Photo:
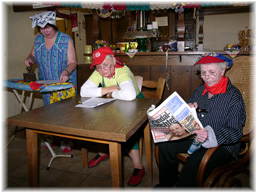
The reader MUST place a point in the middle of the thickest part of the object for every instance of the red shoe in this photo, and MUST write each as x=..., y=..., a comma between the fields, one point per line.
x=97, y=159
x=136, y=177
x=67, y=149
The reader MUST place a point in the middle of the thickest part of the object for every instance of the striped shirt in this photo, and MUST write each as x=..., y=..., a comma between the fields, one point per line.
x=225, y=114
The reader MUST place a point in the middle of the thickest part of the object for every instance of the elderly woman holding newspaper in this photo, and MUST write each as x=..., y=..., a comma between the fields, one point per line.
x=222, y=113
x=116, y=81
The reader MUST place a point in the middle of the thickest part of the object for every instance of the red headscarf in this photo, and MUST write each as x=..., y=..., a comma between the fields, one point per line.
x=100, y=54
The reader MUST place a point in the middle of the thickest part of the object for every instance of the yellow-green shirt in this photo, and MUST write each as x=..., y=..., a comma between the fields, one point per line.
x=121, y=75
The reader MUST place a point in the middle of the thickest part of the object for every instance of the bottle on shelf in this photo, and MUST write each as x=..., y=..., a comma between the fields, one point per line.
x=126, y=48
x=129, y=46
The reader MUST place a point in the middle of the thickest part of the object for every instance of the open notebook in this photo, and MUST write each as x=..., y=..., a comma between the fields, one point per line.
x=94, y=102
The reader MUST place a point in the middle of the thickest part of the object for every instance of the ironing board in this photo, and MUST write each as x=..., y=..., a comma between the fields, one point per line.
x=15, y=85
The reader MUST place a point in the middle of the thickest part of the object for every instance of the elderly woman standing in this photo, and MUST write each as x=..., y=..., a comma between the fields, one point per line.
x=223, y=118
x=116, y=81
x=53, y=52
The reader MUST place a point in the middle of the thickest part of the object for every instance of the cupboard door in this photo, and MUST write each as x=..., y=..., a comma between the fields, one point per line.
x=83, y=73
x=89, y=29
x=157, y=71
x=105, y=32
x=142, y=70
x=180, y=80
x=195, y=78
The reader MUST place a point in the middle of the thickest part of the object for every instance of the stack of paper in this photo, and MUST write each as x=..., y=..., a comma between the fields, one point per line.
x=94, y=102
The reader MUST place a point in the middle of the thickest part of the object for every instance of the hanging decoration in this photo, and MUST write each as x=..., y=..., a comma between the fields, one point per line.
x=89, y=5
x=137, y=6
x=74, y=22
x=103, y=13
x=114, y=6
x=161, y=5
x=232, y=53
x=192, y=5
x=72, y=16
x=179, y=7
x=216, y=4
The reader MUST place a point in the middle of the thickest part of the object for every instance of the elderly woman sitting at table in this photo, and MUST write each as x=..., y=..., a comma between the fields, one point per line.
x=116, y=81
x=223, y=118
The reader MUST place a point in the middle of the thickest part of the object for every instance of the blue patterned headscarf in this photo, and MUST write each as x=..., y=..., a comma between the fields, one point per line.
x=43, y=18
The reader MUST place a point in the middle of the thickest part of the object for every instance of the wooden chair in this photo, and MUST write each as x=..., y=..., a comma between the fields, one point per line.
x=241, y=76
x=153, y=90
x=139, y=80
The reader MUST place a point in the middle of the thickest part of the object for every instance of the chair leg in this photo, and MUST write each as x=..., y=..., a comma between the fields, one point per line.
x=148, y=151
x=157, y=155
x=85, y=158
x=141, y=147
x=228, y=179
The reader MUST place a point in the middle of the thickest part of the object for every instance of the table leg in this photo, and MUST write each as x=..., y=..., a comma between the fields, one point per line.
x=32, y=151
x=116, y=164
x=85, y=158
x=148, y=150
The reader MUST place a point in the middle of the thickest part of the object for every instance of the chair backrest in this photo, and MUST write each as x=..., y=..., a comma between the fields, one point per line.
x=241, y=76
x=139, y=80
x=153, y=89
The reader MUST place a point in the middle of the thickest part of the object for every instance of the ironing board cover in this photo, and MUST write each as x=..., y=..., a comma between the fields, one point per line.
x=13, y=83
x=59, y=91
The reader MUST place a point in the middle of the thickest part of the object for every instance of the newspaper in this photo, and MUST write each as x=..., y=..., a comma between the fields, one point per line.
x=172, y=120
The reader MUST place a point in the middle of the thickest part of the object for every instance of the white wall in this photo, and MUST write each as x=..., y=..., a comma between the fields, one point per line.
x=18, y=39
x=220, y=30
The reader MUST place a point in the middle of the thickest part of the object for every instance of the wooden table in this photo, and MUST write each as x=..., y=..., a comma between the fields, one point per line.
x=113, y=124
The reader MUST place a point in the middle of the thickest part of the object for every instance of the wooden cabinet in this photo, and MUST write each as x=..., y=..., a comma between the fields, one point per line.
x=83, y=73
x=190, y=29
x=112, y=30
x=183, y=75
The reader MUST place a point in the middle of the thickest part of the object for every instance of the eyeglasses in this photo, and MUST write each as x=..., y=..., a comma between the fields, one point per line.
x=104, y=66
x=210, y=73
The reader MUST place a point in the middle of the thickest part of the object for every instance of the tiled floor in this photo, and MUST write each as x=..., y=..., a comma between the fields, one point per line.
x=66, y=172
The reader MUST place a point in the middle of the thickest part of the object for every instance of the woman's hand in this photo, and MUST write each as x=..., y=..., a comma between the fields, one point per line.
x=113, y=88
x=109, y=90
x=64, y=77
x=202, y=135
x=29, y=62
x=191, y=105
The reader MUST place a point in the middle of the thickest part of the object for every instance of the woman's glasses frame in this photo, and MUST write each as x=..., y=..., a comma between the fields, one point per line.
x=104, y=66
x=209, y=73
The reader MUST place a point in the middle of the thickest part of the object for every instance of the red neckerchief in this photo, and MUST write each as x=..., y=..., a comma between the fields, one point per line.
x=220, y=87
x=119, y=64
